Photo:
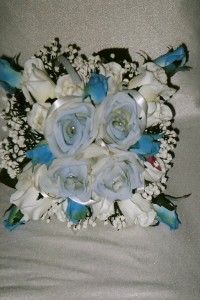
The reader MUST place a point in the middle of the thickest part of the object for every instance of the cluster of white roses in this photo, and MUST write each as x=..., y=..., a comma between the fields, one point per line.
x=90, y=143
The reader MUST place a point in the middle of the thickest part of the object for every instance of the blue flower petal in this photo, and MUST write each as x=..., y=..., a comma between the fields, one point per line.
x=147, y=145
x=40, y=154
x=173, y=61
x=7, y=87
x=170, y=57
x=76, y=212
x=96, y=88
x=166, y=211
x=9, y=78
x=11, y=227
x=166, y=216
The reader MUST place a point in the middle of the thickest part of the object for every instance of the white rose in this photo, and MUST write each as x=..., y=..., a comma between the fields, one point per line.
x=36, y=117
x=37, y=81
x=102, y=209
x=158, y=113
x=152, y=83
x=137, y=210
x=70, y=126
x=26, y=196
x=66, y=87
x=116, y=176
x=114, y=72
x=154, y=172
x=120, y=121
x=65, y=178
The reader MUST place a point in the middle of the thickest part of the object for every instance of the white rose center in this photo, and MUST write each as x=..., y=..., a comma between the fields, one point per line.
x=73, y=183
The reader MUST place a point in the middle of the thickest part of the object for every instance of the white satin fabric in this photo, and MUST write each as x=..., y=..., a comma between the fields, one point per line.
x=47, y=261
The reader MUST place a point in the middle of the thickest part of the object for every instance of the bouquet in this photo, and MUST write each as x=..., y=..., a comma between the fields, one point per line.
x=89, y=138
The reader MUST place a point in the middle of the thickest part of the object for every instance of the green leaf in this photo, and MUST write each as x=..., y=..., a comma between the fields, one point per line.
x=172, y=198
x=161, y=200
x=9, y=208
x=17, y=217
x=6, y=179
x=15, y=214
x=120, y=54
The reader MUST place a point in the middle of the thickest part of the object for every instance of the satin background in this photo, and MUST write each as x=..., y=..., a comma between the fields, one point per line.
x=47, y=261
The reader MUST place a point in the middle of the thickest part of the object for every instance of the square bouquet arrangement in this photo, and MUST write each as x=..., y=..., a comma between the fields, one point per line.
x=89, y=138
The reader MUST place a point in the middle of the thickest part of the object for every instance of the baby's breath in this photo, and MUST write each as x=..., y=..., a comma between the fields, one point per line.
x=20, y=137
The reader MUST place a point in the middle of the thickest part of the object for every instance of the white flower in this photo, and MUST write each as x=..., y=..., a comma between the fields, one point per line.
x=65, y=178
x=36, y=117
x=119, y=123
x=37, y=81
x=156, y=172
x=70, y=126
x=152, y=82
x=102, y=209
x=113, y=71
x=66, y=87
x=158, y=113
x=26, y=196
x=115, y=176
x=137, y=210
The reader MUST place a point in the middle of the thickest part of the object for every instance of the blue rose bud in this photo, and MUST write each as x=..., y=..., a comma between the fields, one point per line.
x=14, y=219
x=41, y=154
x=9, y=78
x=76, y=212
x=166, y=211
x=174, y=60
x=96, y=88
x=147, y=146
